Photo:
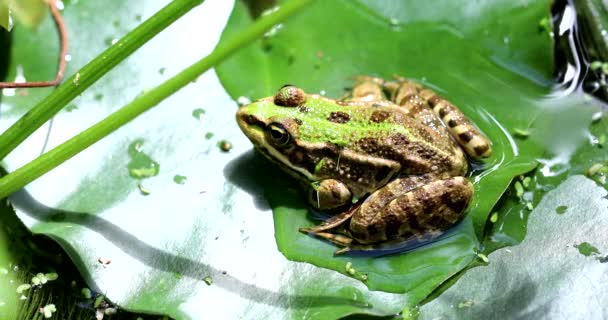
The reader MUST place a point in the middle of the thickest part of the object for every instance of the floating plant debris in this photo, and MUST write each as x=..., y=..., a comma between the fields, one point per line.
x=141, y=165
x=586, y=249
x=483, y=257
x=521, y=133
x=224, y=145
x=198, y=113
x=519, y=189
x=179, y=179
x=143, y=190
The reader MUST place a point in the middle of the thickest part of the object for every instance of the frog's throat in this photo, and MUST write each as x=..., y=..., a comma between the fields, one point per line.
x=280, y=159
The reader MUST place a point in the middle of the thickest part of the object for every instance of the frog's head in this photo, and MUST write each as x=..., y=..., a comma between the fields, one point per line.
x=273, y=126
x=291, y=129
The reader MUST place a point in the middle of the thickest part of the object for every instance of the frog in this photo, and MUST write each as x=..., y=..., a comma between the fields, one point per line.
x=390, y=158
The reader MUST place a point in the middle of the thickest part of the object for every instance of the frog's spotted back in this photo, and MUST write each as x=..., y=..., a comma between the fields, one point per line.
x=413, y=96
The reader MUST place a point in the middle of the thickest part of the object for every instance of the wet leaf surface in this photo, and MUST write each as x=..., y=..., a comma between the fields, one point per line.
x=545, y=277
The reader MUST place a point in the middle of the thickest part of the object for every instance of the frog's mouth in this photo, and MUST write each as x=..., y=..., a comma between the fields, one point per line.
x=279, y=159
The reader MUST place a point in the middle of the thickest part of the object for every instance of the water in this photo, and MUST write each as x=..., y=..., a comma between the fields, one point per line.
x=141, y=165
x=567, y=128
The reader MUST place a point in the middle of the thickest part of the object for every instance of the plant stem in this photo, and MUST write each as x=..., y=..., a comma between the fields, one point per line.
x=90, y=73
x=41, y=165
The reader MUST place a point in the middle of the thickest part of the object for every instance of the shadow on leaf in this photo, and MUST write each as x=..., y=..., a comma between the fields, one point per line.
x=165, y=261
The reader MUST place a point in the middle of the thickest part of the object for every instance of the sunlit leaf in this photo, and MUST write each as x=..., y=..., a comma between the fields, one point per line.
x=546, y=277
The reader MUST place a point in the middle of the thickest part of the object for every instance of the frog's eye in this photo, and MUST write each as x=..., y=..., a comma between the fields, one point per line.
x=290, y=96
x=278, y=135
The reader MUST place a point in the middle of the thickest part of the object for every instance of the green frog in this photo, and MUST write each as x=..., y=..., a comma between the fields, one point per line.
x=389, y=157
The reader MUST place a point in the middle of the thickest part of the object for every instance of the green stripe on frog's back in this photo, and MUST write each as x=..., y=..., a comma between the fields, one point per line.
x=323, y=120
x=375, y=139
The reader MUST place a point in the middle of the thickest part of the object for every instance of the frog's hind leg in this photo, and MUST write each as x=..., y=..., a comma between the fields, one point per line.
x=468, y=136
x=398, y=245
x=422, y=210
x=367, y=89
x=339, y=239
x=418, y=101
x=434, y=206
x=332, y=222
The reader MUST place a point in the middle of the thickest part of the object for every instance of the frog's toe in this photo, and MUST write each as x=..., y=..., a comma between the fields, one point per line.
x=362, y=78
x=342, y=251
x=399, y=77
x=338, y=239
x=307, y=230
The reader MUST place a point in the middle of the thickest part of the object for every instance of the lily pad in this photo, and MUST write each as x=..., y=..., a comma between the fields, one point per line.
x=367, y=38
x=545, y=277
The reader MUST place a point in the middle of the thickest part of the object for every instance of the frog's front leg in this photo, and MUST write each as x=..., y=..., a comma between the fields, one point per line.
x=328, y=194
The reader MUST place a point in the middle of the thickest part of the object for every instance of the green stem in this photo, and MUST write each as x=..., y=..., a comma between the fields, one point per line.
x=90, y=73
x=43, y=164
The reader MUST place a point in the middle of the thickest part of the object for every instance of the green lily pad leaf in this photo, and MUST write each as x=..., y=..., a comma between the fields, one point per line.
x=545, y=277
x=465, y=64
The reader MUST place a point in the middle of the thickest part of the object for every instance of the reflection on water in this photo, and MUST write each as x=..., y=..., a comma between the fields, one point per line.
x=570, y=67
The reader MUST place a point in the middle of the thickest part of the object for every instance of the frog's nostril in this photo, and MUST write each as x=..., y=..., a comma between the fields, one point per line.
x=250, y=119
x=290, y=96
